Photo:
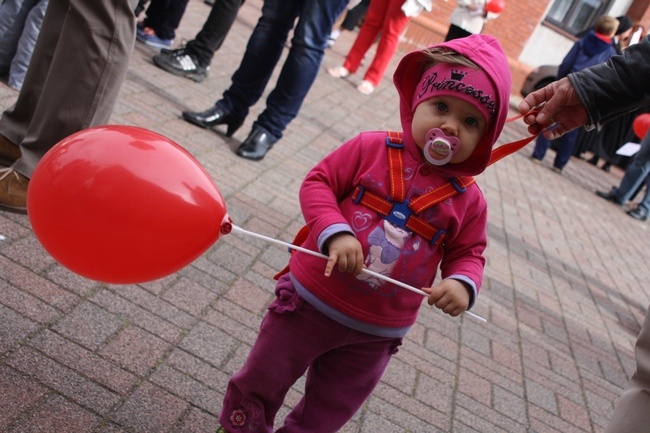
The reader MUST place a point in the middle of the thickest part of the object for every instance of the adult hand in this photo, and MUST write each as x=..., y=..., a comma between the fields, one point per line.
x=561, y=107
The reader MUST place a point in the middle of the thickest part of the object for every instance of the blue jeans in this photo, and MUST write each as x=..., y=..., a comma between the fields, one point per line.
x=637, y=172
x=315, y=20
x=20, y=23
x=565, y=149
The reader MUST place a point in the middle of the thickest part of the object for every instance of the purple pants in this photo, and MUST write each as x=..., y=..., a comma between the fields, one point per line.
x=344, y=367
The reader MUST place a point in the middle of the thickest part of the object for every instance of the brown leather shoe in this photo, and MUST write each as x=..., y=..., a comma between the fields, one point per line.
x=9, y=152
x=13, y=190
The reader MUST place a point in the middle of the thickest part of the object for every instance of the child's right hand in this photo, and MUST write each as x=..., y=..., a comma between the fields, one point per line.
x=345, y=250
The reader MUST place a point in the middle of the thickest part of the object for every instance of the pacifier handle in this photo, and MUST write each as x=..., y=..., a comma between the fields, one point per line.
x=438, y=142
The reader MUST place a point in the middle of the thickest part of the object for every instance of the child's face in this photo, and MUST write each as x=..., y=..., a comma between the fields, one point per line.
x=454, y=117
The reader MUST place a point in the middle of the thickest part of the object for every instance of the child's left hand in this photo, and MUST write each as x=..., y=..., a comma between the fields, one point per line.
x=451, y=296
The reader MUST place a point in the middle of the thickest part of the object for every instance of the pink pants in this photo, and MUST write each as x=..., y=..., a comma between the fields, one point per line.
x=383, y=16
x=344, y=367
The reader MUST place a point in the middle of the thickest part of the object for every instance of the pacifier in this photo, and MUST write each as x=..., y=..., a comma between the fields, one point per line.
x=436, y=142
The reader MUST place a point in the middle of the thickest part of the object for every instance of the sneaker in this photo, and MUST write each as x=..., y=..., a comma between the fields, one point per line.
x=638, y=214
x=148, y=37
x=9, y=152
x=535, y=160
x=557, y=170
x=13, y=190
x=209, y=2
x=365, y=88
x=338, y=72
x=333, y=37
x=179, y=63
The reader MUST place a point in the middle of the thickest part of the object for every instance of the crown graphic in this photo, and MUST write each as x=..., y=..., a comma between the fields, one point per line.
x=457, y=75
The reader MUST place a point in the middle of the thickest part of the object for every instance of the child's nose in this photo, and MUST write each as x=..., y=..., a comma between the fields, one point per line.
x=450, y=127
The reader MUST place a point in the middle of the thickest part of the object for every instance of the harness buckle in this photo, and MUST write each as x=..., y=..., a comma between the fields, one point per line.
x=456, y=185
x=394, y=142
x=399, y=214
x=359, y=191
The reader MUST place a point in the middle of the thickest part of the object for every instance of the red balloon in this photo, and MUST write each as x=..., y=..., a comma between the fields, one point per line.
x=641, y=124
x=124, y=205
x=495, y=6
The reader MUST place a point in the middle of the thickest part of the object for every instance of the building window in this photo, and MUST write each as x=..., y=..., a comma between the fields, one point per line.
x=576, y=16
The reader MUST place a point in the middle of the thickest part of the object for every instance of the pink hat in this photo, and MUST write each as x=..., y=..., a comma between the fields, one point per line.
x=487, y=88
x=469, y=84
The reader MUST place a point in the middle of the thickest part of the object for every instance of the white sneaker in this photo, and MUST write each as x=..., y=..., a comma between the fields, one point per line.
x=338, y=72
x=366, y=87
x=333, y=37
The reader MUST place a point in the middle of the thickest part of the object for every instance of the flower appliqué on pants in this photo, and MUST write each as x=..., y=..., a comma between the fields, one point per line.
x=238, y=418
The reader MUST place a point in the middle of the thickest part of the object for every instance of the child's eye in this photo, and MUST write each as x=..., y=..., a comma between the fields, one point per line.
x=471, y=121
x=441, y=106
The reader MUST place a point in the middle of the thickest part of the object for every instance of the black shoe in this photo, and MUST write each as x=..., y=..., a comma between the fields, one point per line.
x=638, y=214
x=606, y=167
x=180, y=63
x=259, y=142
x=214, y=116
x=610, y=196
x=593, y=160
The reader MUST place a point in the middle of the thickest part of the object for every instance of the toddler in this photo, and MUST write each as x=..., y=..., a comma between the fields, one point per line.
x=401, y=204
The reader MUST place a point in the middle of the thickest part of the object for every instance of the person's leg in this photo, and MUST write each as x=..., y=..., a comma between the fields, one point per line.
x=565, y=149
x=541, y=146
x=155, y=13
x=214, y=31
x=631, y=414
x=393, y=25
x=57, y=100
x=339, y=382
x=354, y=15
x=13, y=14
x=636, y=172
x=26, y=45
x=292, y=335
x=262, y=53
x=302, y=64
x=371, y=27
x=171, y=19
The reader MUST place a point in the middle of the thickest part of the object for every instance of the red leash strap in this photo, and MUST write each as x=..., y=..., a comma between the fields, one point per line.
x=508, y=148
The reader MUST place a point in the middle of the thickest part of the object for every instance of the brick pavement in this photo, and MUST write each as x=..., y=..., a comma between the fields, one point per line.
x=566, y=288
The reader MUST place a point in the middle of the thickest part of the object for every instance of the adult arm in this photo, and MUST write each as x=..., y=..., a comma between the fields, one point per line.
x=592, y=96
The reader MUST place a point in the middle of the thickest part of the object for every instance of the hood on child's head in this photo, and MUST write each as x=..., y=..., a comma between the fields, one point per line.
x=487, y=53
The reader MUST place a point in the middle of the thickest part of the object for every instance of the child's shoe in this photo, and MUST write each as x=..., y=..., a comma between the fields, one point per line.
x=338, y=72
x=365, y=88
x=333, y=37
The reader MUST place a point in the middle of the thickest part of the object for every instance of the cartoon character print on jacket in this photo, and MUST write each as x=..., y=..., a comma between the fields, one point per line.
x=386, y=245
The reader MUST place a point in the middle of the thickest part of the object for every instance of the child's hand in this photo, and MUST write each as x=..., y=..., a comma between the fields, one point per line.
x=346, y=250
x=451, y=296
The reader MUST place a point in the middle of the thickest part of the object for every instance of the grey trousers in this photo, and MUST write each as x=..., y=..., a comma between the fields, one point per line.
x=77, y=68
x=632, y=412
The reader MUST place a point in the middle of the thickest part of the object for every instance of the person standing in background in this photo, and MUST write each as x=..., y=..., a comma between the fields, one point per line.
x=468, y=18
x=193, y=60
x=311, y=22
x=386, y=18
x=594, y=48
x=163, y=17
x=78, y=66
x=20, y=23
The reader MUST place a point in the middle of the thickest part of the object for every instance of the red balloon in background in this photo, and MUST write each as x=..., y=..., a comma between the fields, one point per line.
x=495, y=6
x=641, y=124
x=123, y=205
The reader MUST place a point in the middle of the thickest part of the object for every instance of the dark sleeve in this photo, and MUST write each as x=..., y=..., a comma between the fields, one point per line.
x=621, y=85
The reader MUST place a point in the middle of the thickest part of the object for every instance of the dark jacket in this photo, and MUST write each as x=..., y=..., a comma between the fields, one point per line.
x=586, y=52
x=620, y=85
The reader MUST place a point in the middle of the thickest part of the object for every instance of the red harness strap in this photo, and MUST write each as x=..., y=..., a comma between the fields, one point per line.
x=397, y=209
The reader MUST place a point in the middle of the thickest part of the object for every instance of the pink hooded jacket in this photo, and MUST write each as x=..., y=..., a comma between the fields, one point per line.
x=368, y=304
